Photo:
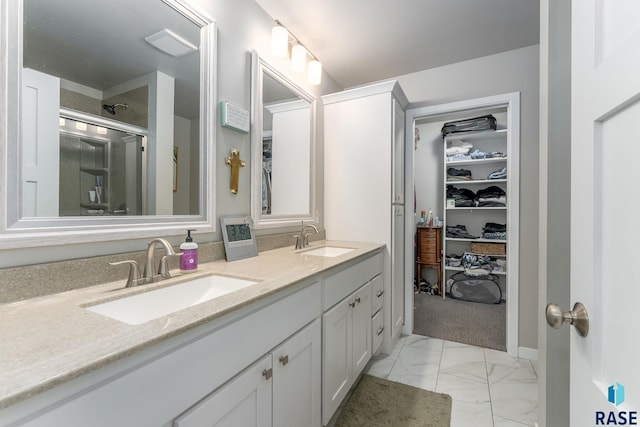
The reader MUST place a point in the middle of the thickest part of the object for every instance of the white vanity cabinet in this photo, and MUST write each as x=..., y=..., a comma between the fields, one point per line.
x=156, y=386
x=281, y=389
x=286, y=359
x=346, y=330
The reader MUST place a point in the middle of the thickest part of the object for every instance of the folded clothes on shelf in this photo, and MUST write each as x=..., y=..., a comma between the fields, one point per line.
x=463, y=196
x=477, y=154
x=453, y=260
x=458, y=147
x=492, y=230
x=458, y=157
x=495, y=235
x=459, y=231
x=491, y=197
x=498, y=174
x=490, y=227
x=454, y=174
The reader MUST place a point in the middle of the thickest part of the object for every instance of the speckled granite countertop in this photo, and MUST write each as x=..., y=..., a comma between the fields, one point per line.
x=50, y=340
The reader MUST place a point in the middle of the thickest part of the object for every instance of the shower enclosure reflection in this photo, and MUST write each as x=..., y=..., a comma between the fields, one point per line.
x=110, y=75
x=101, y=168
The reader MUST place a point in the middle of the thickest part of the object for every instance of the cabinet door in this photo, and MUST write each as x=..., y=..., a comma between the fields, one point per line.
x=336, y=357
x=361, y=328
x=296, y=379
x=244, y=401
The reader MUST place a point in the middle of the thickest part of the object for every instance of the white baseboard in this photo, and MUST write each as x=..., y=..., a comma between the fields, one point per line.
x=528, y=353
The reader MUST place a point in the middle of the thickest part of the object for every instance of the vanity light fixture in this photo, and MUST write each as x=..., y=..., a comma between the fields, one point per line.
x=280, y=39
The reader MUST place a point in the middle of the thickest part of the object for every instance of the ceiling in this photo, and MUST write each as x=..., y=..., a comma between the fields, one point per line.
x=64, y=39
x=361, y=41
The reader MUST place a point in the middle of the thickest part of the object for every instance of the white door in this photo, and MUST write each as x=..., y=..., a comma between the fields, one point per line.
x=244, y=401
x=336, y=357
x=40, y=144
x=296, y=379
x=361, y=329
x=604, y=210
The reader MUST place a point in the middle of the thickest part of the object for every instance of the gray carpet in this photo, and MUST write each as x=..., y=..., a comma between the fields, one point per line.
x=376, y=402
x=483, y=325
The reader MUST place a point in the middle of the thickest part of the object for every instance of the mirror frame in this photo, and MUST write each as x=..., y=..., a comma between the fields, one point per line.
x=259, y=67
x=17, y=232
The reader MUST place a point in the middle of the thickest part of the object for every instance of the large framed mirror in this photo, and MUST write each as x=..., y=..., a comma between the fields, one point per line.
x=283, y=130
x=105, y=101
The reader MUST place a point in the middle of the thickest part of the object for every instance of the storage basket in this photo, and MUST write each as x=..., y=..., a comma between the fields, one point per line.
x=489, y=248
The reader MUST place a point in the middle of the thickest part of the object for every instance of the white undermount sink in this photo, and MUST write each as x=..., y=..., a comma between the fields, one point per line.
x=329, y=251
x=150, y=305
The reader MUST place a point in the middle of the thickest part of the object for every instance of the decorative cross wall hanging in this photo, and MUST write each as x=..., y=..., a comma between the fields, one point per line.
x=235, y=163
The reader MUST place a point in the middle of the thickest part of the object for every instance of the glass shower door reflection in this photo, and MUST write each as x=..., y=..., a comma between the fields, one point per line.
x=101, y=170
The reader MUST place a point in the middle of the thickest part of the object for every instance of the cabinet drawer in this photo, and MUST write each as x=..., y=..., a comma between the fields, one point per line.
x=431, y=258
x=377, y=287
x=428, y=234
x=428, y=247
x=339, y=285
x=377, y=328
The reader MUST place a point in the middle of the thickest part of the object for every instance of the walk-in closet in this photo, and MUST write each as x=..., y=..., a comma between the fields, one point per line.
x=466, y=189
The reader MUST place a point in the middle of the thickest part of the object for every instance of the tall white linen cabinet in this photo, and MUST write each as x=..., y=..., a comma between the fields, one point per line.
x=364, y=189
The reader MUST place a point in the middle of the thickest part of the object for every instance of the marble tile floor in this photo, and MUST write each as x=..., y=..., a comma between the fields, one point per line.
x=489, y=388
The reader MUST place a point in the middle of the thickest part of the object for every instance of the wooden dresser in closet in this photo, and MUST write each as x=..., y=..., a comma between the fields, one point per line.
x=429, y=252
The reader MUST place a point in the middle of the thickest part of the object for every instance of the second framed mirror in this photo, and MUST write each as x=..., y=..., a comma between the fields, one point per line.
x=283, y=129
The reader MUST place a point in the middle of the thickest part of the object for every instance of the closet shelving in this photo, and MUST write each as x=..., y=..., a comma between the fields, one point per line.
x=475, y=217
x=94, y=162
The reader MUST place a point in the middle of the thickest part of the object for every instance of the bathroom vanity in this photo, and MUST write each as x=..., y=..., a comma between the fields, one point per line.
x=259, y=355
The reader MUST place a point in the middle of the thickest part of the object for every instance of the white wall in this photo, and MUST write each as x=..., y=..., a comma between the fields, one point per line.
x=512, y=71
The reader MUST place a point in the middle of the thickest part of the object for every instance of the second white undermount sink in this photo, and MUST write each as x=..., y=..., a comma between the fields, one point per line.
x=141, y=308
x=329, y=251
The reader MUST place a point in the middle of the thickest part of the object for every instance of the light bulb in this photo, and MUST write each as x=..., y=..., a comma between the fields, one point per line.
x=314, y=72
x=279, y=41
x=298, y=58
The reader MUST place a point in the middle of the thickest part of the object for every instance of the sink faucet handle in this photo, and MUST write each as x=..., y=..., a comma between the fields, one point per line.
x=134, y=272
x=163, y=268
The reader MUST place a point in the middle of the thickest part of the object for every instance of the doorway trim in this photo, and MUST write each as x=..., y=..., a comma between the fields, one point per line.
x=510, y=101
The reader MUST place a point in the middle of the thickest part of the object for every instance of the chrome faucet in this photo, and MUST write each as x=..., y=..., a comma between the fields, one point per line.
x=163, y=268
x=302, y=239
